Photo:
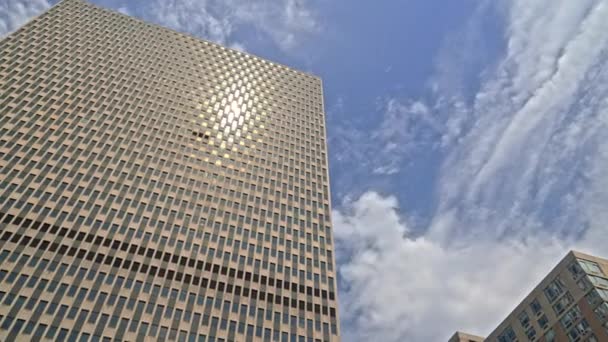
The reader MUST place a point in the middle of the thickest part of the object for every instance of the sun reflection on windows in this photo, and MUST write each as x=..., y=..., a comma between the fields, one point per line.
x=232, y=117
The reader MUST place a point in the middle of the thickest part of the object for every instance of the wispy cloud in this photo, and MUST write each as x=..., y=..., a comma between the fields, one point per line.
x=404, y=128
x=385, y=144
x=284, y=23
x=522, y=177
x=207, y=19
x=14, y=13
x=534, y=120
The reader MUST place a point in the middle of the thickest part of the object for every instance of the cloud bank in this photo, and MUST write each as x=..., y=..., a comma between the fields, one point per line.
x=397, y=288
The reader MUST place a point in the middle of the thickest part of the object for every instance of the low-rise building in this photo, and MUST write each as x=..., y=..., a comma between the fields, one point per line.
x=569, y=304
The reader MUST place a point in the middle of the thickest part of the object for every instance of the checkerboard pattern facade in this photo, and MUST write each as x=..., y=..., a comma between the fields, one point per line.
x=154, y=186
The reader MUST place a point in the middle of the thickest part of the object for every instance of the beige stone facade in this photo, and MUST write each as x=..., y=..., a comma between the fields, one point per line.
x=570, y=304
x=464, y=337
x=154, y=186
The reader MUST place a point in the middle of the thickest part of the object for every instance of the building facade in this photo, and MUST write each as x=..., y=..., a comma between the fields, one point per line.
x=570, y=304
x=154, y=186
x=464, y=337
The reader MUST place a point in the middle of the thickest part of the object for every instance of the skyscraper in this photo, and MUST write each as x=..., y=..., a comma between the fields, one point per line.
x=157, y=186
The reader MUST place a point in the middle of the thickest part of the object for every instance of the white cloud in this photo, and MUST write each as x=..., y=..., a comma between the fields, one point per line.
x=522, y=177
x=397, y=288
x=199, y=17
x=551, y=63
x=521, y=152
x=14, y=13
x=404, y=128
x=285, y=22
x=596, y=195
x=124, y=10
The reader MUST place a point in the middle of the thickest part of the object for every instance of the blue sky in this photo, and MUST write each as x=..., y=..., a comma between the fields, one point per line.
x=466, y=139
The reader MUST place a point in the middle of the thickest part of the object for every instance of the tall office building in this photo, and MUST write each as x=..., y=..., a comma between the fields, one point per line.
x=157, y=186
x=569, y=304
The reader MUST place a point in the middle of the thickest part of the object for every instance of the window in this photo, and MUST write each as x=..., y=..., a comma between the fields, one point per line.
x=508, y=335
x=536, y=307
x=599, y=281
x=531, y=333
x=593, y=298
x=550, y=336
x=562, y=304
x=590, y=267
x=570, y=317
x=592, y=338
x=584, y=284
x=602, y=311
x=554, y=289
x=524, y=319
x=543, y=322
x=603, y=293
x=578, y=330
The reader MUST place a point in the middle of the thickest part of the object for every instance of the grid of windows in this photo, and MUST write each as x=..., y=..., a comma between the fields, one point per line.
x=152, y=184
x=571, y=304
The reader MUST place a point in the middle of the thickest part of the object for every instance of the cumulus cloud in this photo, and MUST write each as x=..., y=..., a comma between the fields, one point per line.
x=285, y=22
x=14, y=13
x=522, y=177
x=397, y=288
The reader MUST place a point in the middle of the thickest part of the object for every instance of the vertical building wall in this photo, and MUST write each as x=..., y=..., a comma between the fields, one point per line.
x=153, y=185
